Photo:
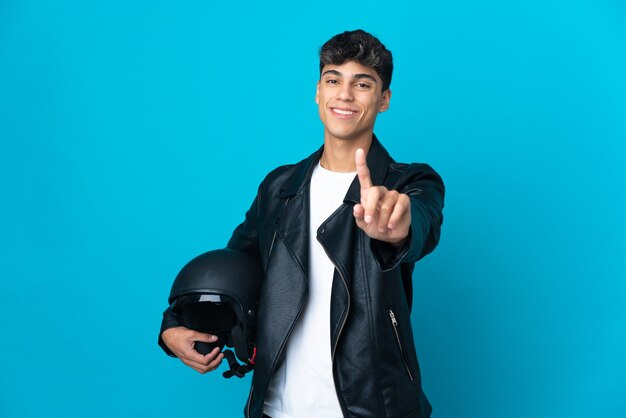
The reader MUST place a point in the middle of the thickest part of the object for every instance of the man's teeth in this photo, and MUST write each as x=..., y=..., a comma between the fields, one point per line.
x=344, y=112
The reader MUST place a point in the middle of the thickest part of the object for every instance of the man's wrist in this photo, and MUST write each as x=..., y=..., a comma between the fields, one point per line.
x=400, y=243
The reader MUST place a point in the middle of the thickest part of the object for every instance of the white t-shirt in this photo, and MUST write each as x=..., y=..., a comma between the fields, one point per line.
x=303, y=386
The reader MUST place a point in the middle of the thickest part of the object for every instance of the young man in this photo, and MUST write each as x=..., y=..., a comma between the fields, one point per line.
x=338, y=235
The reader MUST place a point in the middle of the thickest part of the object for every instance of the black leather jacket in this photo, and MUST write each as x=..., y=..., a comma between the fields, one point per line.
x=375, y=366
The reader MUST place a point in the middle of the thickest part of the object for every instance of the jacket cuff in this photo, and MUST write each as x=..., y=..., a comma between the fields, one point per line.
x=387, y=255
x=170, y=320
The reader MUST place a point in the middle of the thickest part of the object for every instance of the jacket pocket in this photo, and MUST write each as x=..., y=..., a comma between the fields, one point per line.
x=397, y=334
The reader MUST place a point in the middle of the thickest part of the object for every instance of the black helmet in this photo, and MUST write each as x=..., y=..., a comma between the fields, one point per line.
x=218, y=293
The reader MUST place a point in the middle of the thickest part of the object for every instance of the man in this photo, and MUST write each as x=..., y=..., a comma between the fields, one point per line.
x=338, y=235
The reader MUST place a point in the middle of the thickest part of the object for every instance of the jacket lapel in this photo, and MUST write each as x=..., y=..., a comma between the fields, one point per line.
x=338, y=234
x=292, y=224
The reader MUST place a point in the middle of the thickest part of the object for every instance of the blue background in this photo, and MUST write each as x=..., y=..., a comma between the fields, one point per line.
x=124, y=126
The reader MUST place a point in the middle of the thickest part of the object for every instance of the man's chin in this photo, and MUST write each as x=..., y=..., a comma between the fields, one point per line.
x=347, y=136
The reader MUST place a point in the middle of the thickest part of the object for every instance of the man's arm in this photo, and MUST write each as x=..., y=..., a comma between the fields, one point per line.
x=246, y=236
x=177, y=340
x=404, y=226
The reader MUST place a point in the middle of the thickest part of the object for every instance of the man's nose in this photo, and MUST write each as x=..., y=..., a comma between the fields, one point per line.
x=346, y=92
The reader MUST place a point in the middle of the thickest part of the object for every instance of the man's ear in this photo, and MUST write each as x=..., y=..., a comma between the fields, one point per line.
x=317, y=93
x=384, y=104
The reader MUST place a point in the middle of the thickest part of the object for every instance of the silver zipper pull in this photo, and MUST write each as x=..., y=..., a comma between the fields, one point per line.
x=393, y=318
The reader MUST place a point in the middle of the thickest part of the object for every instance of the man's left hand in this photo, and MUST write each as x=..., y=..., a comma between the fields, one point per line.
x=383, y=214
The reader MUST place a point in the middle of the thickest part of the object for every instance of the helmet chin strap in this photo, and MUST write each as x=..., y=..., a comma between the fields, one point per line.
x=236, y=369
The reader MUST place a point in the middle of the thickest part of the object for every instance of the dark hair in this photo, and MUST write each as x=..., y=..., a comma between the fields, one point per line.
x=360, y=47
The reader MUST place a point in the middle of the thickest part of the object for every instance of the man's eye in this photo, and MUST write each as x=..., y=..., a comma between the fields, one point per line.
x=363, y=85
x=332, y=81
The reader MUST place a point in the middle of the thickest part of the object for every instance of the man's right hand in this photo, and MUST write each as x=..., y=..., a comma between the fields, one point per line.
x=180, y=341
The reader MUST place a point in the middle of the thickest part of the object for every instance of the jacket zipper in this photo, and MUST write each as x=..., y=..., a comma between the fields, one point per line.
x=269, y=253
x=394, y=323
x=345, y=318
x=282, y=347
x=341, y=326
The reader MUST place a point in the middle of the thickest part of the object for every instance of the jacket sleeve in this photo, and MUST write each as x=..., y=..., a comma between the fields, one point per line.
x=246, y=236
x=170, y=320
x=426, y=191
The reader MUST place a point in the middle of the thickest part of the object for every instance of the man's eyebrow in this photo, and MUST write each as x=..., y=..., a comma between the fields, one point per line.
x=332, y=72
x=357, y=76
x=365, y=76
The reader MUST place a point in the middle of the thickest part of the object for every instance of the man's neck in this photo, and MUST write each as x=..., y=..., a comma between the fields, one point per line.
x=339, y=154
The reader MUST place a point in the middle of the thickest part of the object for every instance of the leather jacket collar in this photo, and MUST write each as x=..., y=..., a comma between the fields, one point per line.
x=378, y=161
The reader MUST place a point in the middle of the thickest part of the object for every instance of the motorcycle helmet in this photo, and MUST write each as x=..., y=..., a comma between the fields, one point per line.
x=218, y=293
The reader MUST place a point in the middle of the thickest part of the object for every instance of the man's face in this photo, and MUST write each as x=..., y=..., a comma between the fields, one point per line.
x=349, y=97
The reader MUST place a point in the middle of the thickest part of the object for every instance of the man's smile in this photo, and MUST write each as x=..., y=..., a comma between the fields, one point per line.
x=343, y=113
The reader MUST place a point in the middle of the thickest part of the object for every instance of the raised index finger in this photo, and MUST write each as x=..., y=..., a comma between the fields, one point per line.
x=361, y=169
